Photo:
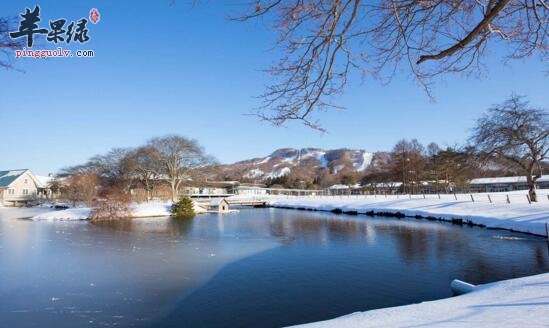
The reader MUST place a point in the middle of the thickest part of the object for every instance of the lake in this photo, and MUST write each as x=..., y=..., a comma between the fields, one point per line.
x=256, y=268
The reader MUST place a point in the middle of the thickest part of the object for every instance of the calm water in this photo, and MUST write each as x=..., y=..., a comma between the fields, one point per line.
x=256, y=268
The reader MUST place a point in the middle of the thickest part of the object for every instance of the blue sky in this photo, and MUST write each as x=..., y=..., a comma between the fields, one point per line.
x=161, y=69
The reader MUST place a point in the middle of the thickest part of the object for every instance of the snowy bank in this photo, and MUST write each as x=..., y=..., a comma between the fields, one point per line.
x=156, y=208
x=137, y=210
x=522, y=302
x=71, y=214
x=529, y=218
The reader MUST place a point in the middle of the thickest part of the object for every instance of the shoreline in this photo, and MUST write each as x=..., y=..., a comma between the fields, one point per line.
x=513, y=294
x=400, y=215
x=524, y=218
x=519, y=302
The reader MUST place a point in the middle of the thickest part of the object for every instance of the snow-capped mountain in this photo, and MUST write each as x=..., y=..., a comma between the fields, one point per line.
x=304, y=162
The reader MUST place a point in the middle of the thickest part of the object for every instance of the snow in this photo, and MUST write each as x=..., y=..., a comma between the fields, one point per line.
x=265, y=160
x=71, y=214
x=7, y=177
x=516, y=179
x=279, y=173
x=517, y=216
x=338, y=168
x=138, y=210
x=290, y=159
x=255, y=173
x=44, y=181
x=338, y=186
x=366, y=160
x=522, y=302
x=318, y=154
x=149, y=209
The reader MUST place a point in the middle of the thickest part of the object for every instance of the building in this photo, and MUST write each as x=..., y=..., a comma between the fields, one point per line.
x=500, y=184
x=21, y=187
x=251, y=190
x=391, y=187
x=219, y=205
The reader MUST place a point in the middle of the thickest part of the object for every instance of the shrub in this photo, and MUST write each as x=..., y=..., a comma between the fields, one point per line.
x=183, y=208
x=113, y=205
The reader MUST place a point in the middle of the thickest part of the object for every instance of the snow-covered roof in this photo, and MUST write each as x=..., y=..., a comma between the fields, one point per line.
x=516, y=179
x=339, y=186
x=217, y=201
x=7, y=177
x=43, y=181
x=389, y=184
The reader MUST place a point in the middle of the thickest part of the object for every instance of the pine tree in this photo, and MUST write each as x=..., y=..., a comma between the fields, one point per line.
x=184, y=208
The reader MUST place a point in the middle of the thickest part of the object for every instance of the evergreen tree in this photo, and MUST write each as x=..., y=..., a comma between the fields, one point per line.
x=183, y=208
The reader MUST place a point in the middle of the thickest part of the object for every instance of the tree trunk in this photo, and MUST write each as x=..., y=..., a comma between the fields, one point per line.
x=532, y=190
x=147, y=190
x=172, y=184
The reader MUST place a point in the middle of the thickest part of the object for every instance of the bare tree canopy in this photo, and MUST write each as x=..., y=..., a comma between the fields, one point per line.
x=145, y=167
x=7, y=44
x=518, y=133
x=178, y=156
x=322, y=41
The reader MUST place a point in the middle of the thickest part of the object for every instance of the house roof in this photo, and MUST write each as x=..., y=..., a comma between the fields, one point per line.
x=7, y=177
x=217, y=201
x=516, y=179
x=339, y=186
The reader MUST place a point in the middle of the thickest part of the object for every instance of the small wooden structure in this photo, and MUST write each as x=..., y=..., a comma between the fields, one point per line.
x=219, y=205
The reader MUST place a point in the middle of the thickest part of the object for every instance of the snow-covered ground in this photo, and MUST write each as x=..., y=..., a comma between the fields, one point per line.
x=516, y=216
x=71, y=214
x=138, y=210
x=522, y=302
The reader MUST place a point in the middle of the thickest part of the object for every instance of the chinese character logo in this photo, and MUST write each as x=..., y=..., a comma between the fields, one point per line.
x=94, y=16
x=77, y=32
x=28, y=26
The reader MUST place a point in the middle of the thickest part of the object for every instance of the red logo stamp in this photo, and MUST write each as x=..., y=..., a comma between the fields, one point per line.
x=94, y=16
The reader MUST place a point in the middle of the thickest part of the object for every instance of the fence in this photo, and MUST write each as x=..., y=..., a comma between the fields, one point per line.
x=513, y=197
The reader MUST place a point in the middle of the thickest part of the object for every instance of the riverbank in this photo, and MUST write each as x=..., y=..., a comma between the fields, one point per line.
x=521, y=302
x=527, y=218
x=137, y=210
x=510, y=303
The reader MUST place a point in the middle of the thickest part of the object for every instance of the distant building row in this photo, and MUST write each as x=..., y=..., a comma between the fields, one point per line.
x=498, y=184
x=21, y=187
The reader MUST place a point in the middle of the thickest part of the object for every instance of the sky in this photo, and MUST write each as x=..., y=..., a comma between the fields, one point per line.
x=163, y=68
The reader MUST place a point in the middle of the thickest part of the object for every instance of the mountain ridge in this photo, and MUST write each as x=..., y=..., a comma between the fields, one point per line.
x=307, y=162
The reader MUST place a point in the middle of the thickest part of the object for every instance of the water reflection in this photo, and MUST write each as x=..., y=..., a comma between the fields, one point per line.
x=277, y=266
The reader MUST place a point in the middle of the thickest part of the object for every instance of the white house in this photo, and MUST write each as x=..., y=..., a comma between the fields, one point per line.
x=20, y=187
x=506, y=184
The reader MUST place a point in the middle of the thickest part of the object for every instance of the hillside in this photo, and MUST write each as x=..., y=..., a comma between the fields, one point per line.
x=306, y=163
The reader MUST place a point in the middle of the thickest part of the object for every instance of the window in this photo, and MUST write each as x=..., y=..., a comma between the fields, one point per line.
x=25, y=191
x=11, y=191
x=26, y=181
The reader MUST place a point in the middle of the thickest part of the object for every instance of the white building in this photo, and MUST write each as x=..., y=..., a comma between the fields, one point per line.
x=506, y=184
x=20, y=187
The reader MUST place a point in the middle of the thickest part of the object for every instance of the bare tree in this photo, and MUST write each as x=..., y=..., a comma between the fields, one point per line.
x=146, y=167
x=518, y=133
x=114, y=168
x=408, y=162
x=323, y=41
x=456, y=166
x=7, y=44
x=80, y=184
x=179, y=156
